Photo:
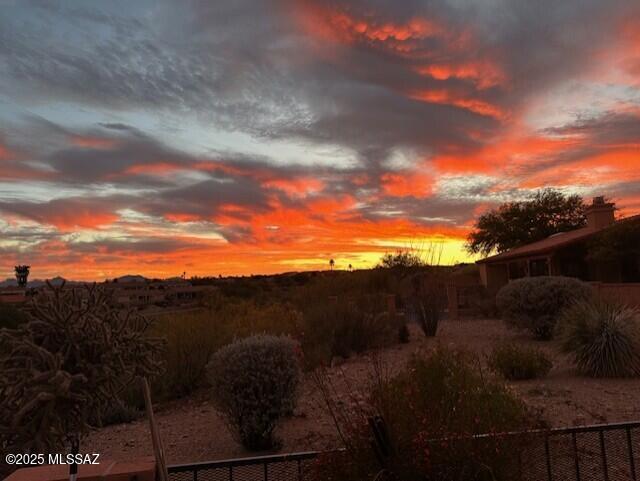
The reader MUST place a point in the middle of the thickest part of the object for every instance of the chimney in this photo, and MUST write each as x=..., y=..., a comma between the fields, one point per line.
x=600, y=214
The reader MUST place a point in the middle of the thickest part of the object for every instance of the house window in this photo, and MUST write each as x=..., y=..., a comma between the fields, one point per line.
x=517, y=269
x=539, y=267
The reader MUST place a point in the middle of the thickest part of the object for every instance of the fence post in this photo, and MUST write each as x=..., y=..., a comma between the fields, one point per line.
x=548, y=457
x=631, y=460
x=604, y=456
x=576, y=455
x=452, y=298
x=391, y=304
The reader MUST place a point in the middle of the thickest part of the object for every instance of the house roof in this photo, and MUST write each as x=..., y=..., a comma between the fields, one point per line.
x=551, y=243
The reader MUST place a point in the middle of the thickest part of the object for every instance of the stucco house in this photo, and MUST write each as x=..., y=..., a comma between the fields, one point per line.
x=563, y=254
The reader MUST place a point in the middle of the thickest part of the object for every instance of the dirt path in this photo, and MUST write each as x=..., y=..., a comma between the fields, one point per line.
x=193, y=431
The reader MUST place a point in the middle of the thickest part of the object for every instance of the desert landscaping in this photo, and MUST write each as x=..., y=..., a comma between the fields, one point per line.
x=192, y=431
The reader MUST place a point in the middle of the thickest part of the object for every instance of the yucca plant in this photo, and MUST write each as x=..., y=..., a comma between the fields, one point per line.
x=603, y=338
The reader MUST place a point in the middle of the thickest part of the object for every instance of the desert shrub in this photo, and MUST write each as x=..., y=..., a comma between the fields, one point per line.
x=11, y=317
x=425, y=297
x=193, y=337
x=118, y=412
x=603, y=338
x=342, y=326
x=191, y=340
x=403, y=332
x=246, y=318
x=254, y=383
x=430, y=409
x=486, y=307
x=517, y=363
x=535, y=303
x=482, y=303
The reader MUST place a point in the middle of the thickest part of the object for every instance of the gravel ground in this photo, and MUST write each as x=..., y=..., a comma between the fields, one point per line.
x=193, y=431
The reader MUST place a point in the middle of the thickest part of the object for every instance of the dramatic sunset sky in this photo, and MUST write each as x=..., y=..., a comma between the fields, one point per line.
x=255, y=136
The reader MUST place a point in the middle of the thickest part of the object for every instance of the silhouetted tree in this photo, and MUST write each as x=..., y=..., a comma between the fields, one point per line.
x=515, y=224
x=22, y=273
x=401, y=259
x=331, y=264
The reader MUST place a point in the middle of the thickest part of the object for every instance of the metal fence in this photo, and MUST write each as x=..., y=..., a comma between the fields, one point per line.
x=285, y=467
x=607, y=452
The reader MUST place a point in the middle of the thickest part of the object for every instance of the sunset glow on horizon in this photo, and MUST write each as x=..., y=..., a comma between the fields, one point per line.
x=256, y=137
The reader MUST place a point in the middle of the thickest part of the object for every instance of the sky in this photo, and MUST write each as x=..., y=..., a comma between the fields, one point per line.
x=259, y=136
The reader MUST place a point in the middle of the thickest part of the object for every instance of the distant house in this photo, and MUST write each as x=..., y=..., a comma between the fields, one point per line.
x=563, y=254
x=136, y=291
x=12, y=295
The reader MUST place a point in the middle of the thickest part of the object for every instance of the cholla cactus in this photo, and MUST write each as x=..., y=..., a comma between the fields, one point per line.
x=70, y=361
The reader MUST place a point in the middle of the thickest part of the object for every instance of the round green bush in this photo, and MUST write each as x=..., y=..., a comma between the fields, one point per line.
x=535, y=303
x=254, y=383
x=603, y=339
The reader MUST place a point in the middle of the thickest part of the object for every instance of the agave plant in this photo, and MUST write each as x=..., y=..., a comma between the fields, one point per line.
x=603, y=338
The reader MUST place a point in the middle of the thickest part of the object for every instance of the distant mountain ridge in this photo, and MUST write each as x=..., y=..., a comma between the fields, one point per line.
x=56, y=281
x=131, y=278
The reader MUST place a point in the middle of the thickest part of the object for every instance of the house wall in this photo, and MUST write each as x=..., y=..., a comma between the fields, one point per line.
x=497, y=276
x=627, y=293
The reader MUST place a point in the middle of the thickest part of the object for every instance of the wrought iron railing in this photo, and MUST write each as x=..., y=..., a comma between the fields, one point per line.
x=602, y=452
x=605, y=452
x=282, y=467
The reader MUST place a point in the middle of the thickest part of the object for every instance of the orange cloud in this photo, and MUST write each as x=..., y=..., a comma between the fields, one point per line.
x=89, y=142
x=181, y=217
x=445, y=97
x=514, y=147
x=83, y=218
x=483, y=73
x=344, y=26
x=406, y=184
x=156, y=168
x=299, y=187
x=4, y=152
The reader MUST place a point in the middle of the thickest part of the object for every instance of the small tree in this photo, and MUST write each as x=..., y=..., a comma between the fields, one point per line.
x=401, y=259
x=70, y=361
x=332, y=263
x=514, y=224
x=22, y=274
